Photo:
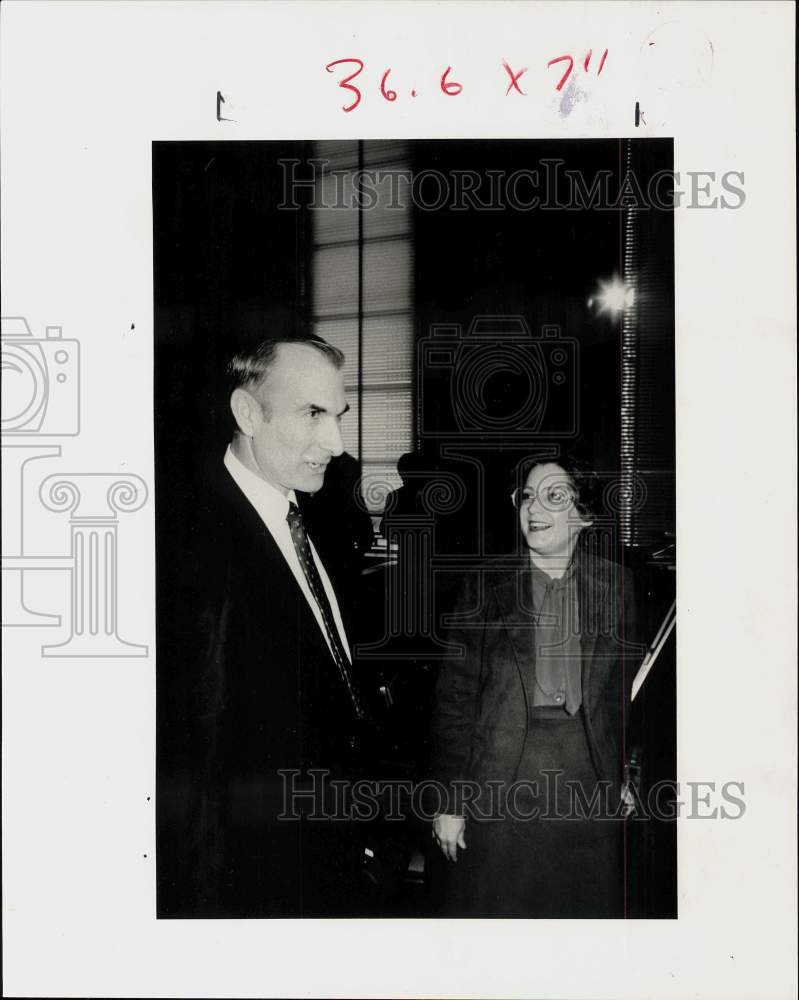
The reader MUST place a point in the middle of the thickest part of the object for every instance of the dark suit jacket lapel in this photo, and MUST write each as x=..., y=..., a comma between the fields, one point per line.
x=591, y=597
x=515, y=599
x=252, y=545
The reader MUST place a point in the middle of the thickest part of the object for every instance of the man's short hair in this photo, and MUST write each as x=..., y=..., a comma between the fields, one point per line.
x=249, y=368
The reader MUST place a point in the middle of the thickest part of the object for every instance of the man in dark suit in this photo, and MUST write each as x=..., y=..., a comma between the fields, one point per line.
x=264, y=645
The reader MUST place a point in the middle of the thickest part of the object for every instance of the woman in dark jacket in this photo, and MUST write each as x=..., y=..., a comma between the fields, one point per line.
x=528, y=735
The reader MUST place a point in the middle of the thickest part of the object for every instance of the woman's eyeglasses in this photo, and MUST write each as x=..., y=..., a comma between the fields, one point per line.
x=550, y=498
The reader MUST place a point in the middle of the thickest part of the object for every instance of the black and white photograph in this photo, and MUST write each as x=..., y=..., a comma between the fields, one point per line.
x=415, y=511
x=365, y=367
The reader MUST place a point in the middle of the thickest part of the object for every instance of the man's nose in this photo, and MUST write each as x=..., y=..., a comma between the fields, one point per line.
x=331, y=439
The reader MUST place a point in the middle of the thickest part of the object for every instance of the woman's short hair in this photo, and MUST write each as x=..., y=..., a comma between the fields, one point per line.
x=583, y=479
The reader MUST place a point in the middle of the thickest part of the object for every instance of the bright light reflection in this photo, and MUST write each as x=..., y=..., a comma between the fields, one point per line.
x=613, y=296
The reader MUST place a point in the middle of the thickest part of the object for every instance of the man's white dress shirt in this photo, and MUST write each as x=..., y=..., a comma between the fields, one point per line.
x=273, y=507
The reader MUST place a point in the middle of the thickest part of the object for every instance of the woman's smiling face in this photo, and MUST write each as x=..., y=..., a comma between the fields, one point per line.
x=548, y=517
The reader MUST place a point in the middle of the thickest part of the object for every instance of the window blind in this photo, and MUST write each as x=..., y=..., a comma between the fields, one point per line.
x=362, y=297
x=647, y=390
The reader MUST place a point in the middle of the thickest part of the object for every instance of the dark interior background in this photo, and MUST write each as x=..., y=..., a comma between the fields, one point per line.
x=229, y=264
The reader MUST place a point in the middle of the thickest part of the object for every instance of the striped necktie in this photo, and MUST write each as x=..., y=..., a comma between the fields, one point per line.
x=304, y=554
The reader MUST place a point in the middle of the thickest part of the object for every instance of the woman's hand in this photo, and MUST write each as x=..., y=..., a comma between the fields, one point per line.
x=448, y=833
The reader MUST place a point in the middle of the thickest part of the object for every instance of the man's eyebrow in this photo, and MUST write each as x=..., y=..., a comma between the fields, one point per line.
x=323, y=409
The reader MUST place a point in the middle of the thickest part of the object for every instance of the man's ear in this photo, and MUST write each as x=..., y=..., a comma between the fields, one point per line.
x=246, y=411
